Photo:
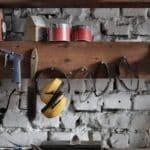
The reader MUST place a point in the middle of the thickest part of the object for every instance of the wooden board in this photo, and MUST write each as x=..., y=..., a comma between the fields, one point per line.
x=73, y=55
x=74, y=3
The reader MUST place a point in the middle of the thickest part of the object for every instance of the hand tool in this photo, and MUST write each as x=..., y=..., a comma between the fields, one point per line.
x=52, y=94
x=16, y=59
x=32, y=89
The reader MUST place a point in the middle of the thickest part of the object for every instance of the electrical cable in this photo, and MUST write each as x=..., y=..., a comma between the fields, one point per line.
x=123, y=60
x=3, y=110
x=108, y=82
x=88, y=92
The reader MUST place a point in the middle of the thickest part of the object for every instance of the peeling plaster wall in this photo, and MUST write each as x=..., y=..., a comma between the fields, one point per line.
x=119, y=119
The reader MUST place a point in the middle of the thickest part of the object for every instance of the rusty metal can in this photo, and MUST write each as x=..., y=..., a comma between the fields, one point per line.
x=81, y=33
x=59, y=32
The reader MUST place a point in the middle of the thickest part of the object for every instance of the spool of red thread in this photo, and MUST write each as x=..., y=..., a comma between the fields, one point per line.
x=81, y=33
x=59, y=32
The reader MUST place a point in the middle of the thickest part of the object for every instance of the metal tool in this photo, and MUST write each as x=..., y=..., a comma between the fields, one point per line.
x=16, y=59
x=32, y=87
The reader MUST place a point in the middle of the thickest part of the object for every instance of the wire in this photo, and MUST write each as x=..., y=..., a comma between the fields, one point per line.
x=108, y=82
x=88, y=92
x=123, y=60
x=49, y=71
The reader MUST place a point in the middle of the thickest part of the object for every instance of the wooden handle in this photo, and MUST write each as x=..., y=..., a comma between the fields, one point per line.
x=34, y=63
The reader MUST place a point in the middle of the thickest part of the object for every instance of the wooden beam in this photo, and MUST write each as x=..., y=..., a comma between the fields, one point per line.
x=75, y=3
x=73, y=55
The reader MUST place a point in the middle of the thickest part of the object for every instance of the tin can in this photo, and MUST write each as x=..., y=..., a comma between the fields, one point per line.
x=81, y=33
x=59, y=32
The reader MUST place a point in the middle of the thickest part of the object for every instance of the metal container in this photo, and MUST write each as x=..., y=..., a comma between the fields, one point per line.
x=81, y=33
x=59, y=32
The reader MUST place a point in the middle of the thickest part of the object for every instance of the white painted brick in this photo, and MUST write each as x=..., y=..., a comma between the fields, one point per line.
x=106, y=12
x=118, y=120
x=113, y=29
x=142, y=102
x=81, y=13
x=146, y=84
x=17, y=12
x=138, y=140
x=144, y=29
x=8, y=85
x=72, y=11
x=71, y=116
x=60, y=136
x=119, y=100
x=85, y=14
x=101, y=84
x=81, y=132
x=129, y=12
x=14, y=117
x=106, y=120
x=3, y=99
x=132, y=84
x=119, y=141
x=81, y=103
x=43, y=11
x=8, y=21
x=41, y=121
x=4, y=142
x=18, y=24
x=14, y=102
x=97, y=37
x=7, y=11
x=97, y=136
x=140, y=121
x=25, y=84
x=22, y=138
x=95, y=27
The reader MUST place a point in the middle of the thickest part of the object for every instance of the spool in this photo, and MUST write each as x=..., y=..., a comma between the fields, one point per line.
x=81, y=33
x=59, y=32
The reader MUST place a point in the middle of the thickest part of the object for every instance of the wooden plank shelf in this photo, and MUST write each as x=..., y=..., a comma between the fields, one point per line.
x=74, y=3
x=73, y=55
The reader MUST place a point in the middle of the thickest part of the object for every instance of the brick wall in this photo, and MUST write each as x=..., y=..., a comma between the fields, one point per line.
x=119, y=119
x=107, y=24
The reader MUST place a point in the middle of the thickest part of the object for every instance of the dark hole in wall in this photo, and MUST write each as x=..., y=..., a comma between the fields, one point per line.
x=71, y=147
